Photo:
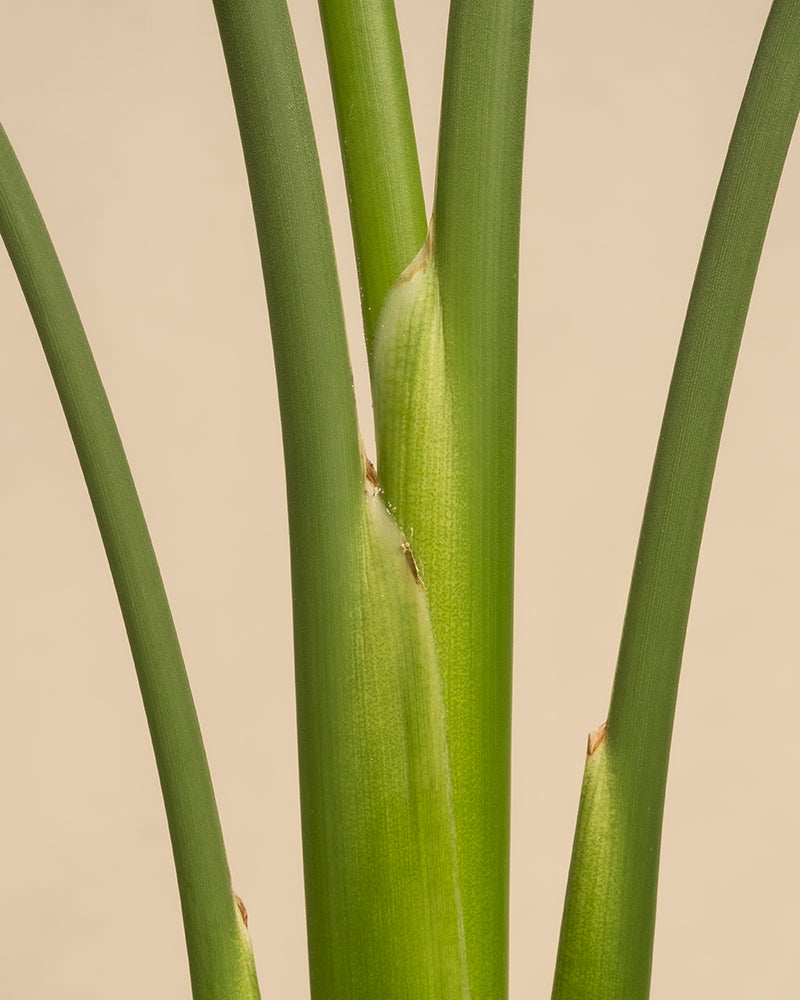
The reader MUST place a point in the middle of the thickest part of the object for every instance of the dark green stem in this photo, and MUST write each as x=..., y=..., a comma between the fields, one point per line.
x=315, y=386
x=220, y=959
x=609, y=916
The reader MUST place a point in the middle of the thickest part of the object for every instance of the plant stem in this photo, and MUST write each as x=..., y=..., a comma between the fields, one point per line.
x=220, y=956
x=467, y=552
x=376, y=135
x=318, y=415
x=382, y=895
x=609, y=914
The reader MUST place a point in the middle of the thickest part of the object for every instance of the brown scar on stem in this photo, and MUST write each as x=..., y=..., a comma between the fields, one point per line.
x=411, y=562
x=420, y=262
x=241, y=908
x=370, y=472
x=596, y=738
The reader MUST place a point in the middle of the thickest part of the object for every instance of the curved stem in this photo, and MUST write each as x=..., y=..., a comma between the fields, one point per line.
x=220, y=957
x=609, y=915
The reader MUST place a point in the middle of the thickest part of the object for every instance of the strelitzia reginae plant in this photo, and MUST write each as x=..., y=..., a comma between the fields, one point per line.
x=402, y=568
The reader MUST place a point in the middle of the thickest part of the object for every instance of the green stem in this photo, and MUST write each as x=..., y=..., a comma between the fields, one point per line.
x=220, y=957
x=318, y=413
x=382, y=895
x=466, y=551
x=609, y=915
x=379, y=152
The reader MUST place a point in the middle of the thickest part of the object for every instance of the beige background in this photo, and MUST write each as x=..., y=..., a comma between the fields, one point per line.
x=122, y=117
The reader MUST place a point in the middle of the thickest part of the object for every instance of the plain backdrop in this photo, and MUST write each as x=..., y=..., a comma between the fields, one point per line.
x=122, y=117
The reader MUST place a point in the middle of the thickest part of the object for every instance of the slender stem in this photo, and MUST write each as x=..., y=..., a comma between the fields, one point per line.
x=610, y=908
x=318, y=414
x=220, y=957
x=476, y=251
x=379, y=152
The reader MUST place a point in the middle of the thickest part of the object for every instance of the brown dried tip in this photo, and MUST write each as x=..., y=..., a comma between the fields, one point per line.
x=241, y=908
x=596, y=737
x=370, y=475
x=422, y=259
x=412, y=565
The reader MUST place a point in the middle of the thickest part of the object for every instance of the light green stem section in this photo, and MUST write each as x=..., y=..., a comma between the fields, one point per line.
x=609, y=914
x=449, y=474
x=220, y=956
x=414, y=419
x=382, y=896
x=384, y=910
x=379, y=152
